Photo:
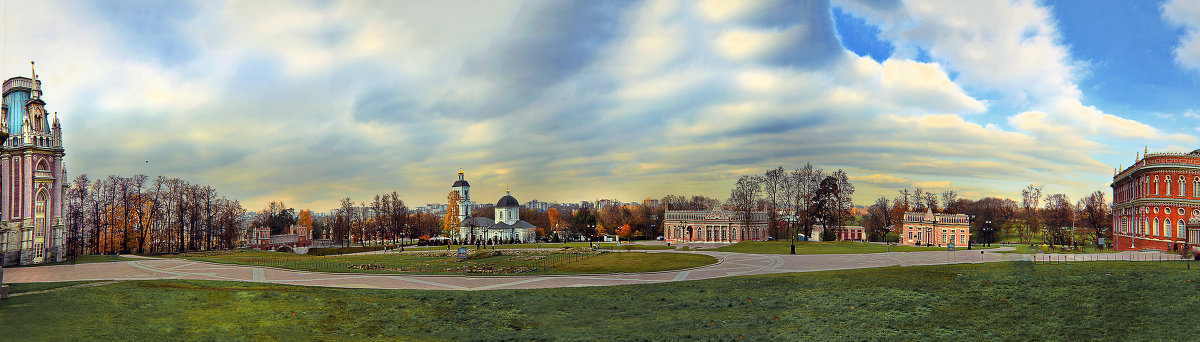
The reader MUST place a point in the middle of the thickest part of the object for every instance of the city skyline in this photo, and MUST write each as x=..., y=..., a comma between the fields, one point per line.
x=308, y=103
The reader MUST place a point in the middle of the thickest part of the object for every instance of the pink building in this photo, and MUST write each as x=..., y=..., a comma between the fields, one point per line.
x=717, y=226
x=31, y=176
x=929, y=229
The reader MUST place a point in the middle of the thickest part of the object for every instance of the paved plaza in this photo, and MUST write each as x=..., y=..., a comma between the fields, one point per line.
x=729, y=265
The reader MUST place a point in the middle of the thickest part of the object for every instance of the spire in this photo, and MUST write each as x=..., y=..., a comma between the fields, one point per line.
x=506, y=192
x=37, y=89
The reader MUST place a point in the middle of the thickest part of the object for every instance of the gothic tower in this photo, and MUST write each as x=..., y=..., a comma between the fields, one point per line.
x=31, y=184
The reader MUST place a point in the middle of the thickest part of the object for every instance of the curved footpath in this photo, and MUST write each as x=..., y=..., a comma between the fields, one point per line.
x=728, y=265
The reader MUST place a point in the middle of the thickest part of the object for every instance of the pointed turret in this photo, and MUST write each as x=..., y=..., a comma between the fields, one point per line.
x=56, y=131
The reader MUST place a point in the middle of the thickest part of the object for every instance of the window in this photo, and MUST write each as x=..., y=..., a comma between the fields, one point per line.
x=1180, y=229
x=1155, y=231
x=1155, y=185
x=1167, y=184
x=1155, y=210
x=1196, y=187
x=1181, y=189
x=1180, y=211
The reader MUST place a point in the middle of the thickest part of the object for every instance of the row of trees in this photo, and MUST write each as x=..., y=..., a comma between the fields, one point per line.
x=136, y=215
x=803, y=197
x=1055, y=217
x=386, y=218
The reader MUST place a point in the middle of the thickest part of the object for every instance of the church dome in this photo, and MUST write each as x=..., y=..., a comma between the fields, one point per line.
x=507, y=201
x=459, y=183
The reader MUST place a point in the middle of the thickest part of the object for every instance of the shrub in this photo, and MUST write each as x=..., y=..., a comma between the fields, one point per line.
x=827, y=235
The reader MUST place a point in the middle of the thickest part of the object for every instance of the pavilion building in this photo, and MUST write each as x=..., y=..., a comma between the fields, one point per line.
x=930, y=229
x=716, y=226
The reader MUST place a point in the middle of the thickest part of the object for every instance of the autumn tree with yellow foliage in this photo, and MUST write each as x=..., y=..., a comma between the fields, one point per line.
x=451, y=223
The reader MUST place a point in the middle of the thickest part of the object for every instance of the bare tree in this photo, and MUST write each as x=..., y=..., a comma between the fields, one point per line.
x=1058, y=216
x=879, y=218
x=949, y=197
x=1031, y=198
x=743, y=197
x=1096, y=215
x=773, y=185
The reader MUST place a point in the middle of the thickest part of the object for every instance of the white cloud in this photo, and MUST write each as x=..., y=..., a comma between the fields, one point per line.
x=1185, y=14
x=1009, y=47
x=315, y=102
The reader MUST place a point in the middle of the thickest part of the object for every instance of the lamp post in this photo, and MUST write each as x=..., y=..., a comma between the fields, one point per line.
x=988, y=228
x=591, y=239
x=970, y=219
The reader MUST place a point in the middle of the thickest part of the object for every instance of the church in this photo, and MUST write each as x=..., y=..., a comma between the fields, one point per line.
x=506, y=227
x=31, y=176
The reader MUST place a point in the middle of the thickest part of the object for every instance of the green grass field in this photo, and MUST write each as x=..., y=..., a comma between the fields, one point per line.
x=988, y=302
x=85, y=259
x=505, y=263
x=831, y=247
x=600, y=245
x=29, y=287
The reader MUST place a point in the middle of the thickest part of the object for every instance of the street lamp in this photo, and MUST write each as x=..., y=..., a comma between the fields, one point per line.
x=591, y=240
x=970, y=219
x=988, y=229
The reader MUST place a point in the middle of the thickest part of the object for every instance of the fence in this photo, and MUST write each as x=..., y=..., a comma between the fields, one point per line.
x=1122, y=256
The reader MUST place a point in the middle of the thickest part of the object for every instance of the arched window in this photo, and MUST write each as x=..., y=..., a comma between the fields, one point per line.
x=1180, y=230
x=1155, y=231
x=1167, y=184
x=1182, y=192
x=1196, y=187
x=1155, y=185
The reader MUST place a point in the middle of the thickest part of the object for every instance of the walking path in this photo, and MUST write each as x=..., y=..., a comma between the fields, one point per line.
x=730, y=264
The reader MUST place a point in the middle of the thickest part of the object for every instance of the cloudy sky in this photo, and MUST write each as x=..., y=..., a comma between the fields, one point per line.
x=308, y=102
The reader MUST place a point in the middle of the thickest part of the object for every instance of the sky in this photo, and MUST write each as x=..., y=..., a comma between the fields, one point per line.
x=308, y=102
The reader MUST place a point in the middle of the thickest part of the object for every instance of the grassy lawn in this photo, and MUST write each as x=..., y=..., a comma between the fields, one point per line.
x=85, y=259
x=485, y=262
x=995, y=301
x=29, y=287
x=517, y=246
x=831, y=247
x=638, y=247
x=636, y=262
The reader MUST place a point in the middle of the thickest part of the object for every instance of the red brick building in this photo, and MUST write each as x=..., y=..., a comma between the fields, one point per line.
x=296, y=236
x=1153, y=200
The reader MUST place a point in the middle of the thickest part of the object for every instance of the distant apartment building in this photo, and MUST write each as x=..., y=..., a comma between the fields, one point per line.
x=536, y=205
